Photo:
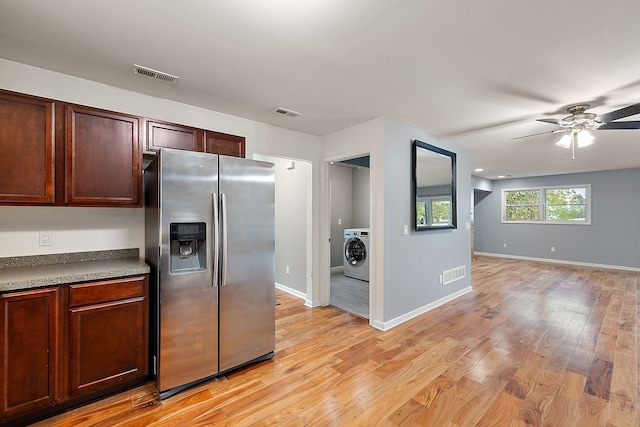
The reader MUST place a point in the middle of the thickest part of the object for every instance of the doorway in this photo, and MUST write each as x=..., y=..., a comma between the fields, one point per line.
x=349, y=197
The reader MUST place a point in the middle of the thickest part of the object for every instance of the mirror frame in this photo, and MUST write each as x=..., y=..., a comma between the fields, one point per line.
x=419, y=145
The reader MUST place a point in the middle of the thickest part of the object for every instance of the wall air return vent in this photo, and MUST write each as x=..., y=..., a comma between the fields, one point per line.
x=155, y=74
x=286, y=112
x=453, y=274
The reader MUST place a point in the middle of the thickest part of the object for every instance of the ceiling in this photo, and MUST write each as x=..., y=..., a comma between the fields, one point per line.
x=474, y=73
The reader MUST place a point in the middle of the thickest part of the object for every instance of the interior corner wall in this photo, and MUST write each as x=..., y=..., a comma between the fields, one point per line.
x=611, y=239
x=91, y=229
x=414, y=262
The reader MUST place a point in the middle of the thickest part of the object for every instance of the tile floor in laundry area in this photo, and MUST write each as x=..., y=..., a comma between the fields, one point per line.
x=350, y=294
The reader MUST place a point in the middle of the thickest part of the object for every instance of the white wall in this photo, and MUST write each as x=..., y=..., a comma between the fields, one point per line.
x=414, y=262
x=361, y=188
x=292, y=223
x=405, y=269
x=89, y=229
x=72, y=229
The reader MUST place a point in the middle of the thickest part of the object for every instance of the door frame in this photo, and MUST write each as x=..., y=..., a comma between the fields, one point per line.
x=375, y=290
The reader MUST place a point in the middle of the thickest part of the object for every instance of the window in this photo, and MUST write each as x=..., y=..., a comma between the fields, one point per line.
x=434, y=211
x=547, y=205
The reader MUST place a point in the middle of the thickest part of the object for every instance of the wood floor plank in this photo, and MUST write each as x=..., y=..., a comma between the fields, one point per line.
x=572, y=385
x=599, y=379
x=623, y=399
x=533, y=344
x=477, y=402
x=502, y=411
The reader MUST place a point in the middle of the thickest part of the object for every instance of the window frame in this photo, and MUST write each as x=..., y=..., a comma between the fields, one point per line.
x=428, y=202
x=542, y=205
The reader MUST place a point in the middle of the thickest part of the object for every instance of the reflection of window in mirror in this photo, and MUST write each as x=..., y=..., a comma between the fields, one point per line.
x=434, y=187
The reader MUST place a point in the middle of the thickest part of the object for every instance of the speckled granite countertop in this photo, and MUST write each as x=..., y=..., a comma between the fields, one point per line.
x=27, y=272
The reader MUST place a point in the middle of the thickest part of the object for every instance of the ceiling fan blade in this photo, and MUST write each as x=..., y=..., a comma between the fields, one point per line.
x=541, y=133
x=631, y=110
x=552, y=121
x=621, y=125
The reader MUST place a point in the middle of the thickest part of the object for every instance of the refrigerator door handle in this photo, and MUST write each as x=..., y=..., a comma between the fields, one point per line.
x=223, y=200
x=216, y=238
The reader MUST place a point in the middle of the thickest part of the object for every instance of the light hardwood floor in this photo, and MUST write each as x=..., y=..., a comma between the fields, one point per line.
x=534, y=344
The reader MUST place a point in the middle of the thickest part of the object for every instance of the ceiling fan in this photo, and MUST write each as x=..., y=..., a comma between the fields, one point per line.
x=578, y=123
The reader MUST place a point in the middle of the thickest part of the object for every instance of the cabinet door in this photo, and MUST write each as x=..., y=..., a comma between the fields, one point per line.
x=222, y=143
x=29, y=350
x=166, y=135
x=108, y=338
x=27, y=157
x=103, y=161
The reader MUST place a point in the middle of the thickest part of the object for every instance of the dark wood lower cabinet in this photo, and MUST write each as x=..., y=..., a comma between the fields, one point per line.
x=29, y=354
x=65, y=345
x=108, y=340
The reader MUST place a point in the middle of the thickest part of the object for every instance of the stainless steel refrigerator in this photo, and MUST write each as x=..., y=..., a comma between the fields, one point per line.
x=210, y=243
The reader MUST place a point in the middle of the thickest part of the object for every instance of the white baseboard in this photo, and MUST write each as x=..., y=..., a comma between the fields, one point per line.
x=385, y=326
x=296, y=293
x=291, y=291
x=311, y=304
x=559, y=261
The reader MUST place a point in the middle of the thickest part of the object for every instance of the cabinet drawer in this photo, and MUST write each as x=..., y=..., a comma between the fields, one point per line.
x=112, y=290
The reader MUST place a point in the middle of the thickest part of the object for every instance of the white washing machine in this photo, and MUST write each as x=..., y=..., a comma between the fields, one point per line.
x=356, y=253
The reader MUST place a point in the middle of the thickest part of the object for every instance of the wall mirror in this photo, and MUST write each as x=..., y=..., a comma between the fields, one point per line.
x=434, y=187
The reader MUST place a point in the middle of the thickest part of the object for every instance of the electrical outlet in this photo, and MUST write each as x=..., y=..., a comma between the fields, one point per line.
x=553, y=248
x=45, y=238
x=505, y=245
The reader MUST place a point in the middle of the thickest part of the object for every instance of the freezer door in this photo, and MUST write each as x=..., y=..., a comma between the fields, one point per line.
x=188, y=301
x=247, y=292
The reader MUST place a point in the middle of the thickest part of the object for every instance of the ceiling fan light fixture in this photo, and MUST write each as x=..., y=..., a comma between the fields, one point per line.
x=565, y=141
x=584, y=138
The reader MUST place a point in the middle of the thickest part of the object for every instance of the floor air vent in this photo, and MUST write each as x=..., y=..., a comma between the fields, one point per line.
x=155, y=74
x=454, y=274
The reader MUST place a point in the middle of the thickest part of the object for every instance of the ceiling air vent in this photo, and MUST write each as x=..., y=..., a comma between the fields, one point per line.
x=286, y=112
x=158, y=75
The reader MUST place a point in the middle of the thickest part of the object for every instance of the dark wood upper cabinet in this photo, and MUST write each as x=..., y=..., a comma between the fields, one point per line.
x=222, y=143
x=103, y=164
x=27, y=149
x=29, y=333
x=168, y=135
x=57, y=153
